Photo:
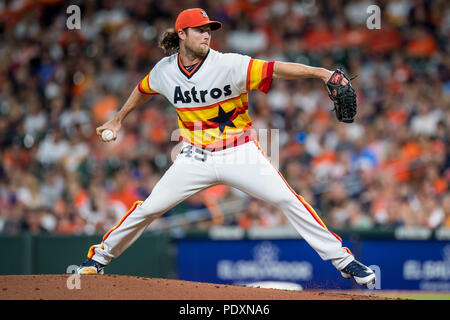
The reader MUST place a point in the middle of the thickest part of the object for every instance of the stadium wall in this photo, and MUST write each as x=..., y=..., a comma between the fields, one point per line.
x=404, y=258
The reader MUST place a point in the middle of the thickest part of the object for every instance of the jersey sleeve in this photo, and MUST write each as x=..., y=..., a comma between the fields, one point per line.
x=144, y=85
x=259, y=75
x=250, y=74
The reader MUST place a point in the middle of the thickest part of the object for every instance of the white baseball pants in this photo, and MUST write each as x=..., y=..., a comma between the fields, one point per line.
x=244, y=167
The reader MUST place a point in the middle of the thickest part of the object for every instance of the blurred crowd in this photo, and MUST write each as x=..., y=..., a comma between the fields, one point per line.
x=390, y=168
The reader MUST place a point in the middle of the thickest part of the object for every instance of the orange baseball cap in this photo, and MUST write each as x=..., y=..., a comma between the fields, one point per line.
x=194, y=18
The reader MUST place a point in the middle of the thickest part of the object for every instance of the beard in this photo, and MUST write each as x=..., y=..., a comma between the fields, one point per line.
x=198, y=52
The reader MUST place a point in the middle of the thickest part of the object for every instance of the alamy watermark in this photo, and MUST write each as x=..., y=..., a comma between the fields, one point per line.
x=374, y=19
x=267, y=141
x=73, y=281
x=377, y=284
x=73, y=21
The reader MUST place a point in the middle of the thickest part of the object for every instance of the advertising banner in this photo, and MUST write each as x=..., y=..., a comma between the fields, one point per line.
x=398, y=264
x=246, y=262
x=410, y=264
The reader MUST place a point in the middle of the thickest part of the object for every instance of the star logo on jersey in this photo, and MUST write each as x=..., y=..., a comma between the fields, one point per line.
x=223, y=119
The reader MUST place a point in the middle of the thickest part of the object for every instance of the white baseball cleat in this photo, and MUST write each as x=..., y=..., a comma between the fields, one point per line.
x=363, y=275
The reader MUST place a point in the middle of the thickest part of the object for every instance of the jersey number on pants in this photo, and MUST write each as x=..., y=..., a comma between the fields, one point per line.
x=199, y=154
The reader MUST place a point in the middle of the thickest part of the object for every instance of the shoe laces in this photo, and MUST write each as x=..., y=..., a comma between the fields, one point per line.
x=356, y=268
x=93, y=263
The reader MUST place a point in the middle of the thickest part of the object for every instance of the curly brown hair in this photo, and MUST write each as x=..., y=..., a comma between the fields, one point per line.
x=170, y=42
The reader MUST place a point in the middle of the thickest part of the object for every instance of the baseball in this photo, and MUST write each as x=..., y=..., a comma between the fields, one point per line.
x=107, y=135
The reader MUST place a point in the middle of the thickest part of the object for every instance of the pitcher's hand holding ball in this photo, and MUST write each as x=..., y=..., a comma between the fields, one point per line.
x=108, y=131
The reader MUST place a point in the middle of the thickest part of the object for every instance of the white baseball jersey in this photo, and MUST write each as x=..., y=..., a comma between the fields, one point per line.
x=212, y=99
x=212, y=105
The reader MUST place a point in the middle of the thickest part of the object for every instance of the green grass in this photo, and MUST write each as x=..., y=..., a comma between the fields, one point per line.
x=430, y=297
x=421, y=296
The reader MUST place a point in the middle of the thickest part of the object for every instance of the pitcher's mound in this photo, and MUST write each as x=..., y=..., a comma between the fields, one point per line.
x=119, y=287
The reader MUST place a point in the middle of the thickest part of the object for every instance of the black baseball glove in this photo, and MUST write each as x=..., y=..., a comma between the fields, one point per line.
x=343, y=96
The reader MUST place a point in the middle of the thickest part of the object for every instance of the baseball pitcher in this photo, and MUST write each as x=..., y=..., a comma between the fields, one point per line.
x=209, y=91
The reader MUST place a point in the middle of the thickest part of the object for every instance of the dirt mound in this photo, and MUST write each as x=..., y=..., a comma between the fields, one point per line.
x=119, y=287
